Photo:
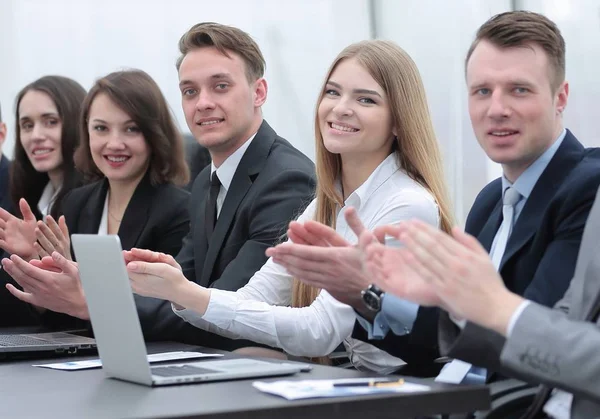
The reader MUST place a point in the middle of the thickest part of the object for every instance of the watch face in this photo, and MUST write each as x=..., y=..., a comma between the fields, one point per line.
x=372, y=300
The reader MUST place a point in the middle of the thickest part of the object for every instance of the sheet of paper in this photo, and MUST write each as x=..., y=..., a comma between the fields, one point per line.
x=454, y=372
x=96, y=363
x=307, y=389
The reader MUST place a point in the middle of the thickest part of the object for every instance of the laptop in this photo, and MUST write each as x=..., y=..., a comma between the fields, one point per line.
x=59, y=343
x=118, y=332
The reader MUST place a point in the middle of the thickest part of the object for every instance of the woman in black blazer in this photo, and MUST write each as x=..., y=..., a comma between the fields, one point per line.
x=132, y=149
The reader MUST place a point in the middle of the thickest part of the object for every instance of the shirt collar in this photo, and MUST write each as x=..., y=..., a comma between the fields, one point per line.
x=386, y=168
x=226, y=171
x=525, y=183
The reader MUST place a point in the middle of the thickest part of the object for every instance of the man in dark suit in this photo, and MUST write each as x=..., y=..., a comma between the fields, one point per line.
x=4, y=169
x=515, y=73
x=257, y=181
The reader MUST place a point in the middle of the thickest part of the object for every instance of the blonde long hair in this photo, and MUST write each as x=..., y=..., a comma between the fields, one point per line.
x=416, y=147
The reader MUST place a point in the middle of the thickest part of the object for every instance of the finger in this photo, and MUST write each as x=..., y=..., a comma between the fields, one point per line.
x=325, y=233
x=46, y=263
x=304, y=251
x=139, y=269
x=23, y=296
x=40, y=250
x=64, y=264
x=392, y=230
x=295, y=238
x=2, y=223
x=145, y=255
x=423, y=261
x=306, y=236
x=26, y=210
x=298, y=264
x=53, y=226
x=365, y=239
x=4, y=215
x=468, y=241
x=17, y=273
x=354, y=221
x=45, y=237
x=62, y=224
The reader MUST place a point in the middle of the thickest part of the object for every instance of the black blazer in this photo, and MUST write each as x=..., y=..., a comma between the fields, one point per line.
x=541, y=252
x=272, y=185
x=156, y=218
x=197, y=156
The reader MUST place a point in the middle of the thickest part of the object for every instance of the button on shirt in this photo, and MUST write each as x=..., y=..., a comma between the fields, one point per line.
x=260, y=310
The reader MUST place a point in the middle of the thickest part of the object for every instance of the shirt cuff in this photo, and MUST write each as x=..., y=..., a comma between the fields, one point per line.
x=396, y=314
x=515, y=316
x=219, y=311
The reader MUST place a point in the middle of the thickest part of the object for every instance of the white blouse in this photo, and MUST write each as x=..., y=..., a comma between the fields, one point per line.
x=47, y=199
x=260, y=311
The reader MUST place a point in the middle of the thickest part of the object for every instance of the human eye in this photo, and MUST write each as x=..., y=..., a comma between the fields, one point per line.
x=133, y=129
x=222, y=86
x=189, y=91
x=331, y=92
x=51, y=122
x=99, y=128
x=521, y=90
x=484, y=91
x=367, y=100
x=26, y=126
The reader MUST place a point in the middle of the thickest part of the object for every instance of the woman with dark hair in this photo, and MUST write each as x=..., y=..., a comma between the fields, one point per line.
x=133, y=151
x=41, y=174
x=43, y=171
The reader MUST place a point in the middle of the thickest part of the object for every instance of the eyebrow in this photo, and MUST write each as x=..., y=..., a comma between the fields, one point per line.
x=359, y=91
x=217, y=76
x=44, y=115
x=104, y=122
x=516, y=82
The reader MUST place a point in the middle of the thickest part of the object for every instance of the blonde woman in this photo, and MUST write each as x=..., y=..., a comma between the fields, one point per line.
x=377, y=152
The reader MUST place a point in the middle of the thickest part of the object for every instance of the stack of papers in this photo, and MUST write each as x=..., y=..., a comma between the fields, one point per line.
x=96, y=363
x=307, y=389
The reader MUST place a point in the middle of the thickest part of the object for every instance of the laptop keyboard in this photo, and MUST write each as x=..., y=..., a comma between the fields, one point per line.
x=177, y=370
x=19, y=340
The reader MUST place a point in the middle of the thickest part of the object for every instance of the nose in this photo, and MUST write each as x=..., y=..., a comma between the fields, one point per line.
x=342, y=108
x=499, y=107
x=38, y=132
x=205, y=101
x=115, y=141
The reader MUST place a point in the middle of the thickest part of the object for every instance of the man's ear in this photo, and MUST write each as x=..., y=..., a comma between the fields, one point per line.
x=260, y=92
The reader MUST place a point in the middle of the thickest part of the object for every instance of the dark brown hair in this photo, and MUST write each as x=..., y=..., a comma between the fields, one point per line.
x=138, y=95
x=25, y=181
x=520, y=28
x=225, y=39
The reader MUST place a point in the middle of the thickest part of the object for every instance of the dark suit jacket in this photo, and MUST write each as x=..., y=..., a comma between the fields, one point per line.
x=541, y=252
x=540, y=255
x=272, y=185
x=156, y=218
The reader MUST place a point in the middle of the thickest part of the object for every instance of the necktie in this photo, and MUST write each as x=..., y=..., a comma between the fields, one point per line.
x=509, y=200
x=211, y=204
x=458, y=371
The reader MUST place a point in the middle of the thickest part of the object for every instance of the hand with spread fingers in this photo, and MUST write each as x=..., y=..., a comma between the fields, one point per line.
x=318, y=256
x=458, y=270
x=51, y=283
x=52, y=236
x=18, y=235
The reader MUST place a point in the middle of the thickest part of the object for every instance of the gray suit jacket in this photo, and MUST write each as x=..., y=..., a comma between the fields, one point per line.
x=558, y=348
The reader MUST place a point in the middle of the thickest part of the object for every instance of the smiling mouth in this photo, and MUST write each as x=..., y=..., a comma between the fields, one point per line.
x=211, y=122
x=503, y=133
x=116, y=159
x=343, y=128
x=42, y=151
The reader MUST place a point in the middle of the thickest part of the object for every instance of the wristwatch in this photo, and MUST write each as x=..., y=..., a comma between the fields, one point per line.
x=372, y=298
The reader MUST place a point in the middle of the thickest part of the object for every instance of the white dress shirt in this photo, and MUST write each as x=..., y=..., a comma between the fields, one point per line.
x=260, y=311
x=226, y=171
x=47, y=199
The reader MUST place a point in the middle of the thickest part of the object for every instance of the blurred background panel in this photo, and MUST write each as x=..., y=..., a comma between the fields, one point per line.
x=85, y=39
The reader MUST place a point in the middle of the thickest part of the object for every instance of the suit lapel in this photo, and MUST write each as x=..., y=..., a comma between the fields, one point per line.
x=566, y=157
x=136, y=214
x=488, y=232
x=91, y=213
x=250, y=165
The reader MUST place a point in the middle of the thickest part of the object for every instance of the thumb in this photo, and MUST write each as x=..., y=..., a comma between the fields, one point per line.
x=353, y=221
x=26, y=210
x=147, y=268
x=63, y=263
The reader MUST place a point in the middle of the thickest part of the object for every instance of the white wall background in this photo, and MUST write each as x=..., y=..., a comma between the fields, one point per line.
x=86, y=39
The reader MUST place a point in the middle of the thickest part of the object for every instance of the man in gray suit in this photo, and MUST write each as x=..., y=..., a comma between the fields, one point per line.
x=504, y=332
